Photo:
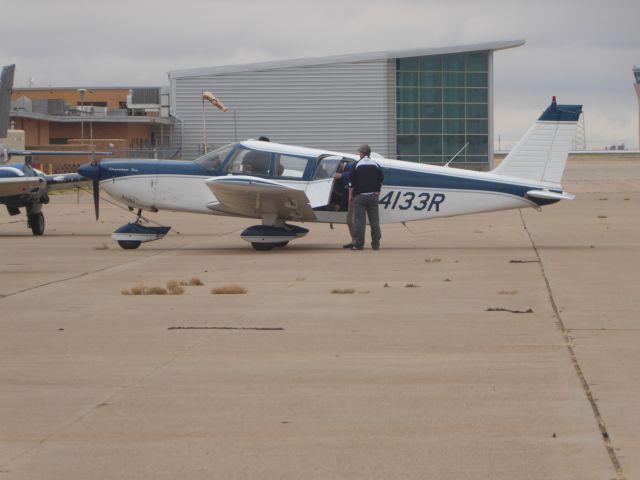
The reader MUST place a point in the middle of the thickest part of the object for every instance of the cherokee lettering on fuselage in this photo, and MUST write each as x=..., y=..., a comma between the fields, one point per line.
x=404, y=200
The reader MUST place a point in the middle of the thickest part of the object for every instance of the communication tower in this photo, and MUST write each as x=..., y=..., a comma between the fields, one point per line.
x=636, y=74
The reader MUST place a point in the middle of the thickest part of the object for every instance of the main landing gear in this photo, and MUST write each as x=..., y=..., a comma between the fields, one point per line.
x=268, y=237
x=132, y=235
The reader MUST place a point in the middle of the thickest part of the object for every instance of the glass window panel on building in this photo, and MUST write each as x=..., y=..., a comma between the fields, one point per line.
x=407, y=94
x=477, y=126
x=407, y=144
x=477, y=110
x=453, y=95
x=453, y=79
x=410, y=64
x=430, y=110
x=478, y=145
x=430, y=145
x=453, y=62
x=428, y=95
x=430, y=79
x=475, y=79
x=407, y=79
x=407, y=110
x=477, y=95
x=453, y=126
x=452, y=145
x=431, y=63
x=451, y=108
x=407, y=126
x=431, y=127
x=477, y=61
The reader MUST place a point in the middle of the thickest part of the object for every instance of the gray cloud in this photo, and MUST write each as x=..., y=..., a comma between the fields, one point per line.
x=582, y=51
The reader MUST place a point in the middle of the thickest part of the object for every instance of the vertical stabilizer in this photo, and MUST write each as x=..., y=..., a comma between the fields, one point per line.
x=6, y=86
x=541, y=154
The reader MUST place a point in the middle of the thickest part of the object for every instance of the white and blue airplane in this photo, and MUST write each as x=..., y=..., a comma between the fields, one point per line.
x=278, y=183
x=21, y=185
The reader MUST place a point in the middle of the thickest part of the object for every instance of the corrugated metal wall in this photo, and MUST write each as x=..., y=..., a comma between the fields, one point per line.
x=335, y=106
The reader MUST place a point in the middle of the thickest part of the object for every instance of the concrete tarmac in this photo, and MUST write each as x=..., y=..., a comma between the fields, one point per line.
x=501, y=345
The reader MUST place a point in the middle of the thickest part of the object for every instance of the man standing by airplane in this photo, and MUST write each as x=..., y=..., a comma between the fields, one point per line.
x=365, y=184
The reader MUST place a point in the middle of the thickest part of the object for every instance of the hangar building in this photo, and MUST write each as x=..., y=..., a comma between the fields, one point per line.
x=422, y=105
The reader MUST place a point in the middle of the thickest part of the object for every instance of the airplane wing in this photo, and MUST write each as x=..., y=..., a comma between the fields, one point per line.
x=60, y=182
x=20, y=185
x=252, y=197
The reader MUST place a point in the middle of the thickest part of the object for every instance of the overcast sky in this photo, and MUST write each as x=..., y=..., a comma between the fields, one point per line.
x=581, y=51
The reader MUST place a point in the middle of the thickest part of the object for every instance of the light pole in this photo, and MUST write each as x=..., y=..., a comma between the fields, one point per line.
x=636, y=74
x=82, y=91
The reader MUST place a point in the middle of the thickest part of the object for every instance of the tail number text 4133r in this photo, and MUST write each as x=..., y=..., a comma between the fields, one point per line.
x=406, y=200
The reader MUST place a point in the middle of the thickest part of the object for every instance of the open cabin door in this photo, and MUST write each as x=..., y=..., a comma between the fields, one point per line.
x=319, y=189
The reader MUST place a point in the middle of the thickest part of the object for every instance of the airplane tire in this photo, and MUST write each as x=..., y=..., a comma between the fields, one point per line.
x=129, y=244
x=261, y=246
x=36, y=223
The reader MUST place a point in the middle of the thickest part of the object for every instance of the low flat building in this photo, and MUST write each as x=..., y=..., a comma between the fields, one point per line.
x=422, y=105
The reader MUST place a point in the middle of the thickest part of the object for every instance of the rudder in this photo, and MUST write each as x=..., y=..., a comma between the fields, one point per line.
x=541, y=155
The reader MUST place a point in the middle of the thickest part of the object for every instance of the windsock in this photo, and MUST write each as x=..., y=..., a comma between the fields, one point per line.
x=214, y=101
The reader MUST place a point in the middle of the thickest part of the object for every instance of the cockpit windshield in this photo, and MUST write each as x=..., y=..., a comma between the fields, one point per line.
x=213, y=160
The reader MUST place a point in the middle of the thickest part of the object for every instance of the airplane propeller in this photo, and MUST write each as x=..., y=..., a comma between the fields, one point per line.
x=96, y=187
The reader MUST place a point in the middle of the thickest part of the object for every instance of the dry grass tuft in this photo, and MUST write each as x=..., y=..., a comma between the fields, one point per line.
x=343, y=290
x=507, y=292
x=432, y=260
x=174, y=287
x=229, y=290
x=411, y=285
x=447, y=280
x=141, y=289
x=195, y=282
x=602, y=216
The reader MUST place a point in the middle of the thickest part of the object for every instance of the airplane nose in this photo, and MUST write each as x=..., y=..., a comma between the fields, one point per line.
x=89, y=170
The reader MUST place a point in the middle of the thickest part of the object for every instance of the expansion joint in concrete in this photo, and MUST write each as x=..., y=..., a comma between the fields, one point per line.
x=574, y=359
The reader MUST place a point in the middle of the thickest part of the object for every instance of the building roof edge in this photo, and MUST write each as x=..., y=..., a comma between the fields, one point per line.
x=348, y=58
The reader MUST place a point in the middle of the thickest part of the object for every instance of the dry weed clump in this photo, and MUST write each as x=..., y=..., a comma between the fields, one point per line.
x=433, y=260
x=411, y=285
x=507, y=292
x=141, y=289
x=174, y=287
x=343, y=290
x=229, y=290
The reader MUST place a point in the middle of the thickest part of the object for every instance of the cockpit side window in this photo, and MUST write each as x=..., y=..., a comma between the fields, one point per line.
x=214, y=160
x=249, y=162
x=290, y=167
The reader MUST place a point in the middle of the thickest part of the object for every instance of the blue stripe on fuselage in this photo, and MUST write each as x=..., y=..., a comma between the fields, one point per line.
x=405, y=178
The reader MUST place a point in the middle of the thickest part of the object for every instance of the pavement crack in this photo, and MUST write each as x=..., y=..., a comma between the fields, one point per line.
x=80, y=275
x=574, y=359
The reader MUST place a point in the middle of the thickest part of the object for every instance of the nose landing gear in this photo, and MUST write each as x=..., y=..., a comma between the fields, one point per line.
x=132, y=235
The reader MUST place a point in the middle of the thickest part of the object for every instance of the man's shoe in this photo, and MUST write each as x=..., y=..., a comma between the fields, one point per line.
x=348, y=245
x=375, y=247
x=357, y=247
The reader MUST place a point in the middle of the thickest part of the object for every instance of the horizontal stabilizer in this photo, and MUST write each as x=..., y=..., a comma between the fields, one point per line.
x=548, y=195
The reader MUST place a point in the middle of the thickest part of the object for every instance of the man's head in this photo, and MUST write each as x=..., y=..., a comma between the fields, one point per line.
x=364, y=150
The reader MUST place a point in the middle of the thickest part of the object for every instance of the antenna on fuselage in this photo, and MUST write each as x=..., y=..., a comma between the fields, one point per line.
x=454, y=157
